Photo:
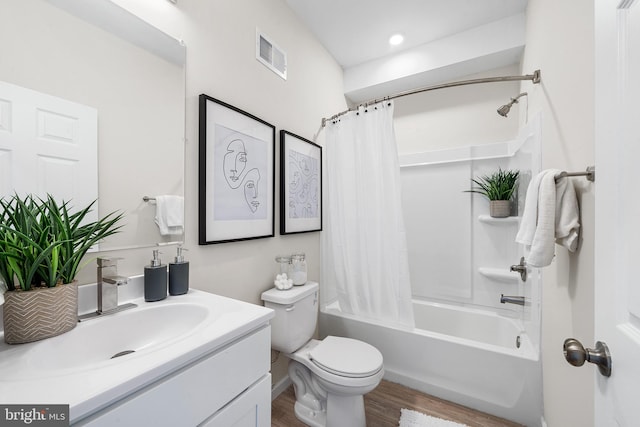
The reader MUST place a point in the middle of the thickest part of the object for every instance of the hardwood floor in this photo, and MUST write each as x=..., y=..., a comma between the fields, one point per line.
x=382, y=407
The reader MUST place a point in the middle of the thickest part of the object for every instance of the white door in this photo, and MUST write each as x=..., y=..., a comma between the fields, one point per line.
x=48, y=145
x=617, y=256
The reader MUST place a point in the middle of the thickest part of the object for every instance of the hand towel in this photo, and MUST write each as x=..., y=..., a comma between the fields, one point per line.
x=170, y=214
x=567, y=215
x=550, y=216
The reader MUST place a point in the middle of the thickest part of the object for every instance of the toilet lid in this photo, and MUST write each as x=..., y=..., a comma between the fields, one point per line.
x=347, y=357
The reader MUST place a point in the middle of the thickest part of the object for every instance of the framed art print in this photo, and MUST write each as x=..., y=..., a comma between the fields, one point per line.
x=300, y=184
x=236, y=174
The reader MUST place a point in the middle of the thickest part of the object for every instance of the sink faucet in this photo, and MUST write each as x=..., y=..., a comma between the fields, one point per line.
x=511, y=300
x=108, y=282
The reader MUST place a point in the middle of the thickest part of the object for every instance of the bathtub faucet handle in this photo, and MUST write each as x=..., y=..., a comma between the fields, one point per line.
x=520, y=268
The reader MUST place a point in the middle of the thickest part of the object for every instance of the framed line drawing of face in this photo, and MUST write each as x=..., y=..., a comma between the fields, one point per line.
x=236, y=176
x=300, y=184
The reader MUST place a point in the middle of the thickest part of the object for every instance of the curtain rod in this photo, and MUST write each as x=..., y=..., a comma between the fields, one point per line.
x=535, y=78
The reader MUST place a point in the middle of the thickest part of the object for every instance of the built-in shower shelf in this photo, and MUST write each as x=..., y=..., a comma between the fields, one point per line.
x=487, y=219
x=500, y=275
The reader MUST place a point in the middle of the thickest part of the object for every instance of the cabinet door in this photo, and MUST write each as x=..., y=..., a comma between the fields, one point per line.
x=251, y=409
x=195, y=392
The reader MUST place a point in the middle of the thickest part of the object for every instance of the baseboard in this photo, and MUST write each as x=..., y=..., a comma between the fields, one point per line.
x=279, y=387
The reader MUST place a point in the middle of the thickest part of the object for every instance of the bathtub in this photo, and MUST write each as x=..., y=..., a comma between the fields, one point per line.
x=473, y=357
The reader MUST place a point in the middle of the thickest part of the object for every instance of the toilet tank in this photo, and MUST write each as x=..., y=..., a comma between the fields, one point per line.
x=296, y=316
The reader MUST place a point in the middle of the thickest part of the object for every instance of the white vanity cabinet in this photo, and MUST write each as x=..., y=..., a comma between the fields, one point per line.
x=230, y=386
x=197, y=359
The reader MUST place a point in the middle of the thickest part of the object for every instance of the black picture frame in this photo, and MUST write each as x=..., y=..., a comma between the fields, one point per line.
x=236, y=174
x=300, y=184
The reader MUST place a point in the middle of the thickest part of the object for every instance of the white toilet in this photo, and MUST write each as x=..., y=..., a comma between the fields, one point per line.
x=329, y=376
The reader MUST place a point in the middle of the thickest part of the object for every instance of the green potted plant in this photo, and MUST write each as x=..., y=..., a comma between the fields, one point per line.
x=42, y=243
x=499, y=188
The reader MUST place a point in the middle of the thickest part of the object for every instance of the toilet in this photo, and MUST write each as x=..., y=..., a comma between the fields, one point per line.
x=330, y=376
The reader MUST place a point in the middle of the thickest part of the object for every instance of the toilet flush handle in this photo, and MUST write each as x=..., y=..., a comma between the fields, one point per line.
x=291, y=307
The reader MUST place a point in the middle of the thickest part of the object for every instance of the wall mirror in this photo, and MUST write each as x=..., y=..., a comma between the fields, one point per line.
x=98, y=55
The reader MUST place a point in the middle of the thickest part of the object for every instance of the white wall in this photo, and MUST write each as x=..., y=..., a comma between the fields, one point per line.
x=220, y=40
x=458, y=116
x=560, y=43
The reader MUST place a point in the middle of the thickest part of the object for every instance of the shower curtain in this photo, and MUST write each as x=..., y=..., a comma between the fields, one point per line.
x=364, y=251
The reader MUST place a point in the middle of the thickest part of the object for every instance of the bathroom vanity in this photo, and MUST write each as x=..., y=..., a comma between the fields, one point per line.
x=192, y=360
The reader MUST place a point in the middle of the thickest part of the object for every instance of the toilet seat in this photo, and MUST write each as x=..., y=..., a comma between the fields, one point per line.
x=346, y=357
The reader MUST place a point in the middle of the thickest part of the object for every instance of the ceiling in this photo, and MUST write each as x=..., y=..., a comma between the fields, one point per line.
x=356, y=32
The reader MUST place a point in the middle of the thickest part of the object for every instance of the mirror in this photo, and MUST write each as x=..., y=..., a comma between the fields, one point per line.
x=96, y=54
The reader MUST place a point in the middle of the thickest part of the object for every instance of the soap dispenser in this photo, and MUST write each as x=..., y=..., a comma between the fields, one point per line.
x=179, y=274
x=155, y=279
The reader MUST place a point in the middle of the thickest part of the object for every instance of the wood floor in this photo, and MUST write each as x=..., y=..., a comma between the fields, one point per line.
x=382, y=407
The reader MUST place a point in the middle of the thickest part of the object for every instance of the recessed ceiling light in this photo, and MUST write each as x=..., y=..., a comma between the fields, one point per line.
x=396, y=39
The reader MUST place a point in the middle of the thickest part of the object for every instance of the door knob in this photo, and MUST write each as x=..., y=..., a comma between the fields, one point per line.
x=576, y=355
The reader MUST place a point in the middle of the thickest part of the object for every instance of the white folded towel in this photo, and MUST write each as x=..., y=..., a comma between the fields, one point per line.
x=170, y=214
x=551, y=215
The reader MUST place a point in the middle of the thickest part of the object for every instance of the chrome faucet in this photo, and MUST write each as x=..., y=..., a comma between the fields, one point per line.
x=511, y=300
x=108, y=281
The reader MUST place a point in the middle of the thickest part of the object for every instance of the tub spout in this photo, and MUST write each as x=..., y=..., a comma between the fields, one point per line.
x=511, y=300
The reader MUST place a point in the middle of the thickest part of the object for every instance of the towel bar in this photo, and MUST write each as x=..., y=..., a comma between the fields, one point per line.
x=590, y=174
x=148, y=199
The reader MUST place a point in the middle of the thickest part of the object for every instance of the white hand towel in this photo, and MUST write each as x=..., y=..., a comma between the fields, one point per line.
x=529, y=220
x=567, y=215
x=170, y=214
x=550, y=216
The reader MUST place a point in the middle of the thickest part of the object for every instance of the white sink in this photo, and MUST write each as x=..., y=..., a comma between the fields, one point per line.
x=95, y=342
x=155, y=338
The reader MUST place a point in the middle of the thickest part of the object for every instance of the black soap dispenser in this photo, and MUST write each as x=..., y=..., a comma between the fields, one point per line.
x=179, y=274
x=155, y=279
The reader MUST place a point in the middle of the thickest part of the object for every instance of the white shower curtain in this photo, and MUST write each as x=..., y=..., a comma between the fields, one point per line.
x=364, y=252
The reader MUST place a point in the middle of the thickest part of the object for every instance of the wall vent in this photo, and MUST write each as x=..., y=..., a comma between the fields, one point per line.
x=271, y=55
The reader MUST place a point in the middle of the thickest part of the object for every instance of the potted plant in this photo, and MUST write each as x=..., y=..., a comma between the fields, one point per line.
x=42, y=244
x=499, y=188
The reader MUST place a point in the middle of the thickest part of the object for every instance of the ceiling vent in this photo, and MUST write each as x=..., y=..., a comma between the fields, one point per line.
x=271, y=55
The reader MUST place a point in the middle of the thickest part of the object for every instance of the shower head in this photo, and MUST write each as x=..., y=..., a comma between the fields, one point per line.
x=504, y=110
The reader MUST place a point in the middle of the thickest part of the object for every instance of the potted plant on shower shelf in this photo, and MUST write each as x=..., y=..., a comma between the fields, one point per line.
x=499, y=188
x=42, y=243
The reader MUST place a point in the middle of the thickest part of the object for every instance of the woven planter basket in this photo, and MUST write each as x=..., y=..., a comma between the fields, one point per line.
x=39, y=313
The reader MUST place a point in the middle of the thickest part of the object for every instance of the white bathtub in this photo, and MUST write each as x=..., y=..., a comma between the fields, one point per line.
x=460, y=354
